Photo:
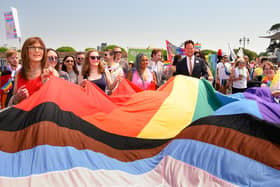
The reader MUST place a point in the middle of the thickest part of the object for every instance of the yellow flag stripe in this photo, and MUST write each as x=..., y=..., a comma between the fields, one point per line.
x=176, y=112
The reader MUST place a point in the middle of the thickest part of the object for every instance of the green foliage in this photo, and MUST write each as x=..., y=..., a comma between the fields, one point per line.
x=274, y=27
x=3, y=49
x=164, y=54
x=65, y=49
x=263, y=54
x=208, y=51
x=251, y=54
x=88, y=49
x=109, y=47
x=112, y=47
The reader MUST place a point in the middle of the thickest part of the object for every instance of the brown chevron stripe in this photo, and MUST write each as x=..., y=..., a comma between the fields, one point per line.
x=48, y=133
x=245, y=123
x=256, y=148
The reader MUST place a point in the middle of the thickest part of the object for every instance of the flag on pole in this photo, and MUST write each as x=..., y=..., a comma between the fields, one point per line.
x=173, y=50
x=197, y=45
x=12, y=24
x=232, y=55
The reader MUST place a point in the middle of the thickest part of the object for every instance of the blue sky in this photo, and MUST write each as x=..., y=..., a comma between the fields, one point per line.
x=143, y=23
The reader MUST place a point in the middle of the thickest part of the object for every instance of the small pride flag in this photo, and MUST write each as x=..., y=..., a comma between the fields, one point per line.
x=7, y=86
x=166, y=63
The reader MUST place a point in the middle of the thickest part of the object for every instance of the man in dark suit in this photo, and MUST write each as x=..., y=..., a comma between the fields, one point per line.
x=191, y=65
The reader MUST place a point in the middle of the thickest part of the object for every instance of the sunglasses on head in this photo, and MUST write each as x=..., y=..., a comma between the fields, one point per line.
x=94, y=57
x=53, y=58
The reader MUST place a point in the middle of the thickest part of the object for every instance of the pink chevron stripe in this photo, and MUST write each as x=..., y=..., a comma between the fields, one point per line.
x=169, y=172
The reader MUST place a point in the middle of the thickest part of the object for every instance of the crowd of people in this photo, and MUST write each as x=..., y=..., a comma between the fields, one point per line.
x=238, y=75
x=107, y=70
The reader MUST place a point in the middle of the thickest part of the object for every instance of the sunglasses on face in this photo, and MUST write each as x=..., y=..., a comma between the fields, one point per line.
x=117, y=52
x=53, y=58
x=80, y=58
x=94, y=57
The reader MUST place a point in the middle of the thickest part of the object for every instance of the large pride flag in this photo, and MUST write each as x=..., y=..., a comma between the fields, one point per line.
x=182, y=134
x=173, y=50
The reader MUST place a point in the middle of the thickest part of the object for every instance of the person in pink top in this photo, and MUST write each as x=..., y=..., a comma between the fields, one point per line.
x=141, y=75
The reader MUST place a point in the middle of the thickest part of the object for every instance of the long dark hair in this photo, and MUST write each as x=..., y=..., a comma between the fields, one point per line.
x=74, y=66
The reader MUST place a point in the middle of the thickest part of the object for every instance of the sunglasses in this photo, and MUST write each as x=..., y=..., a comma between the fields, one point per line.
x=117, y=52
x=94, y=57
x=53, y=58
x=69, y=61
x=80, y=58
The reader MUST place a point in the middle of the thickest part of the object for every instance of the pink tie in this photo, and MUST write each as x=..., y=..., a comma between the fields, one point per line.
x=190, y=66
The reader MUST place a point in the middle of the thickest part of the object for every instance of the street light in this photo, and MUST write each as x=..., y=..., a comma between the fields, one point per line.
x=244, y=40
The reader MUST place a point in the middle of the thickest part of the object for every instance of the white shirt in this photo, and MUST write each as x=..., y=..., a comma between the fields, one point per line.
x=158, y=68
x=221, y=69
x=243, y=82
x=188, y=62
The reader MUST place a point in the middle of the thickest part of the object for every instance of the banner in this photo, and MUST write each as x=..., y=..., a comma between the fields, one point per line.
x=212, y=61
x=12, y=24
x=133, y=52
x=173, y=50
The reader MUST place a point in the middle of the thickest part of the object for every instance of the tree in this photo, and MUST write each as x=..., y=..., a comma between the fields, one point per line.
x=89, y=48
x=65, y=49
x=3, y=49
x=274, y=27
x=112, y=47
x=251, y=54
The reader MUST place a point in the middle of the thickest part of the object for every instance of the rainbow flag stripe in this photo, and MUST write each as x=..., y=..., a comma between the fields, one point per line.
x=182, y=134
x=7, y=86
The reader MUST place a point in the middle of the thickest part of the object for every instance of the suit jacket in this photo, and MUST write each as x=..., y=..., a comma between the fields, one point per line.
x=199, y=69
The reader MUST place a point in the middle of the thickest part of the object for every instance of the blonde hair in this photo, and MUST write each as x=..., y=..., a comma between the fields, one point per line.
x=268, y=63
x=10, y=52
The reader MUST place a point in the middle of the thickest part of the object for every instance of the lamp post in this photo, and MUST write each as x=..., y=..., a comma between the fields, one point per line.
x=243, y=41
